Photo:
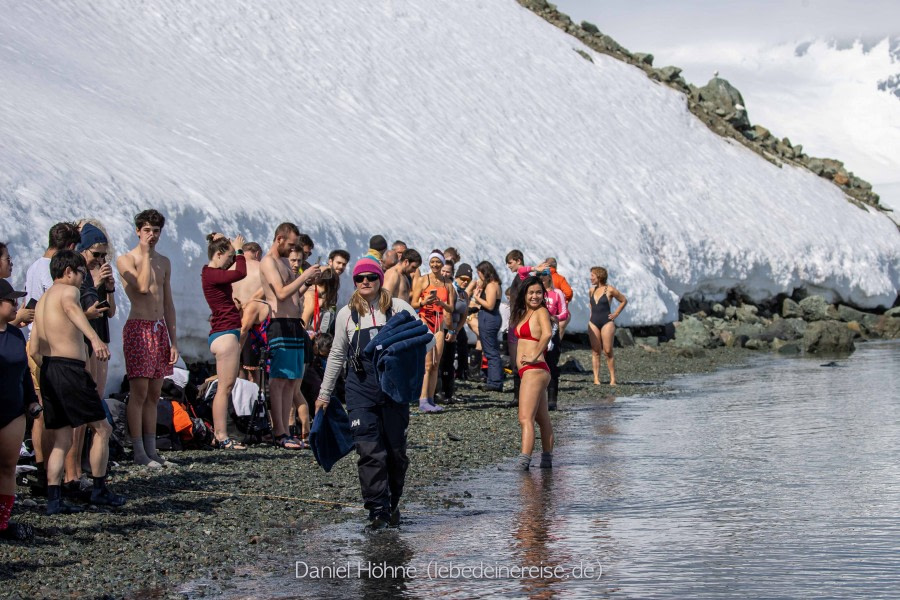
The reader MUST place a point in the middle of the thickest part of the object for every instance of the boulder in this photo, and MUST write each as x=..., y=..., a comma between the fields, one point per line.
x=651, y=341
x=784, y=329
x=535, y=5
x=624, y=337
x=790, y=309
x=718, y=310
x=894, y=312
x=747, y=313
x=692, y=333
x=816, y=308
x=841, y=178
x=730, y=312
x=785, y=347
x=590, y=27
x=831, y=167
x=726, y=97
x=757, y=344
x=644, y=58
x=886, y=327
x=816, y=166
x=825, y=337
x=847, y=314
x=727, y=338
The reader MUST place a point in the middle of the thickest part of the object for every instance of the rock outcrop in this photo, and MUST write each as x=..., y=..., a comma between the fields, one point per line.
x=718, y=104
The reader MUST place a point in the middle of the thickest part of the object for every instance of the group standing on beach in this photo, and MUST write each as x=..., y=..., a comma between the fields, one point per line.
x=53, y=350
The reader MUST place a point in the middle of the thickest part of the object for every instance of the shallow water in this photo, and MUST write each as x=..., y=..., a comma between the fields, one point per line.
x=781, y=479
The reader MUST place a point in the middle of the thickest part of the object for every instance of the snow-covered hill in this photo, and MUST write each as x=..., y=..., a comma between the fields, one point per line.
x=470, y=123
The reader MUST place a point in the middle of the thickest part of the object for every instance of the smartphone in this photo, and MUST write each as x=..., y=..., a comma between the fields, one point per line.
x=103, y=304
x=31, y=304
x=319, y=260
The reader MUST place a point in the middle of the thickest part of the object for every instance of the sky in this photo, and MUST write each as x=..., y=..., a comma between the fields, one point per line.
x=825, y=98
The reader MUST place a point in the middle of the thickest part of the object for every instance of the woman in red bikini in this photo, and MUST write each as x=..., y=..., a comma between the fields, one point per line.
x=530, y=323
x=433, y=298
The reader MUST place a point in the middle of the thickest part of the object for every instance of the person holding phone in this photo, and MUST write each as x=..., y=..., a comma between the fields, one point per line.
x=434, y=299
x=94, y=247
x=16, y=394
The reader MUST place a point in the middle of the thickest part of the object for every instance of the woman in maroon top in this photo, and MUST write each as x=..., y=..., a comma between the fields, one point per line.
x=225, y=333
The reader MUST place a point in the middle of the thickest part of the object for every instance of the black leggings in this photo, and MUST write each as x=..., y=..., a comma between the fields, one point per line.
x=447, y=370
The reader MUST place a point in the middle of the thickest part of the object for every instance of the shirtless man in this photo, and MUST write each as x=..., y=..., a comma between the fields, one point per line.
x=249, y=287
x=69, y=393
x=248, y=296
x=148, y=337
x=284, y=290
x=389, y=260
x=397, y=280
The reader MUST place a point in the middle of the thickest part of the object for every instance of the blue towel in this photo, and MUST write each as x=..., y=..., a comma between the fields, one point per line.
x=398, y=353
x=401, y=367
x=330, y=437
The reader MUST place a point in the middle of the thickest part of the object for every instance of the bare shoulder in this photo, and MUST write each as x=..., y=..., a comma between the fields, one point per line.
x=125, y=261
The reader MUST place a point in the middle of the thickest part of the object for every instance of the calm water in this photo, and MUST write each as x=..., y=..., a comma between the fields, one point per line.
x=781, y=479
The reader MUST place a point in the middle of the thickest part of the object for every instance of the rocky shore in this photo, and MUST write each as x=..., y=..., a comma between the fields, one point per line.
x=718, y=104
x=218, y=511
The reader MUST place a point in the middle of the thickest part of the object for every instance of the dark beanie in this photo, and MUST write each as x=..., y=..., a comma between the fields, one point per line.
x=377, y=242
x=464, y=270
x=91, y=235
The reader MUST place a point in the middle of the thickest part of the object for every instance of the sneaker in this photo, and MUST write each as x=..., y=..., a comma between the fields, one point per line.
x=105, y=497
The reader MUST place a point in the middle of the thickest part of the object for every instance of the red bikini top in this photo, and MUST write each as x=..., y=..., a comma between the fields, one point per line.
x=523, y=332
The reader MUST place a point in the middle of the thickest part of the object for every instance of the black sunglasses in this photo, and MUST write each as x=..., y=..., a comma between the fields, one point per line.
x=365, y=277
x=98, y=254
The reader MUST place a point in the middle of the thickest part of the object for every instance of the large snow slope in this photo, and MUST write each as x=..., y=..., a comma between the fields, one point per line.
x=470, y=123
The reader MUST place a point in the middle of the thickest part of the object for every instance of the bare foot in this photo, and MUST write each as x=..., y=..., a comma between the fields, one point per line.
x=596, y=382
x=612, y=383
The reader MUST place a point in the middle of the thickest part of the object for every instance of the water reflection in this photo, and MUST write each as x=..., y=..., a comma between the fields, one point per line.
x=779, y=480
x=533, y=531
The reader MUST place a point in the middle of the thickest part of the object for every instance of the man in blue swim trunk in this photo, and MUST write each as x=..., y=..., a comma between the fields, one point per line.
x=284, y=292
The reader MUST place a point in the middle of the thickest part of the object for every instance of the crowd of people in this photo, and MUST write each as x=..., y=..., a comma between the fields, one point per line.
x=274, y=318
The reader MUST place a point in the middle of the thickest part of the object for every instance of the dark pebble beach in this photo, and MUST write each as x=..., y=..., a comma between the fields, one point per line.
x=217, y=511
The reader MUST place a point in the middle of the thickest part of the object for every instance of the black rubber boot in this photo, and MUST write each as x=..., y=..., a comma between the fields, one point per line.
x=552, y=391
x=55, y=505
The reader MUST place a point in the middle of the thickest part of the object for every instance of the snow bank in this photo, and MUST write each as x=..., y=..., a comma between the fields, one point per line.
x=467, y=123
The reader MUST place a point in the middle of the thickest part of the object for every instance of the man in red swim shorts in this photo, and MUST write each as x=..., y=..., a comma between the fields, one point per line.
x=148, y=337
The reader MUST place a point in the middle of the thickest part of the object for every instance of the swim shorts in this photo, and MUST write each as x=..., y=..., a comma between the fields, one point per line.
x=147, y=348
x=286, y=348
x=69, y=394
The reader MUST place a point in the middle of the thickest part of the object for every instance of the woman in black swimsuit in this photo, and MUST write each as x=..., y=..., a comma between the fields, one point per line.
x=602, y=328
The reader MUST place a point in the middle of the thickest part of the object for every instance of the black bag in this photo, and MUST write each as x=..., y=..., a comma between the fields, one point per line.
x=166, y=436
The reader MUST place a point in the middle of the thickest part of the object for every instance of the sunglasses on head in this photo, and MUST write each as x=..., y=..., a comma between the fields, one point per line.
x=365, y=277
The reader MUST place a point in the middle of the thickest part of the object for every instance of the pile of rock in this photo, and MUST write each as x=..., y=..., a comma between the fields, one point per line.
x=811, y=325
x=718, y=104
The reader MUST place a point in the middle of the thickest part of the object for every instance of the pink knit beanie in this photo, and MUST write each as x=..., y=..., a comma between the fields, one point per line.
x=367, y=265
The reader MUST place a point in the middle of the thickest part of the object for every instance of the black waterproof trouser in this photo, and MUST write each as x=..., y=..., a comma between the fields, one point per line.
x=379, y=428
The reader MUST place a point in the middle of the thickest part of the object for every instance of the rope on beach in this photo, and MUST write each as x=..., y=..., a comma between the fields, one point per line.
x=332, y=503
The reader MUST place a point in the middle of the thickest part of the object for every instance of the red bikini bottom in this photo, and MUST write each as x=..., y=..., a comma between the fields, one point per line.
x=541, y=365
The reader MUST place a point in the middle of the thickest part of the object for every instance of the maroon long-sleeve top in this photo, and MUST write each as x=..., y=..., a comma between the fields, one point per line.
x=217, y=290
